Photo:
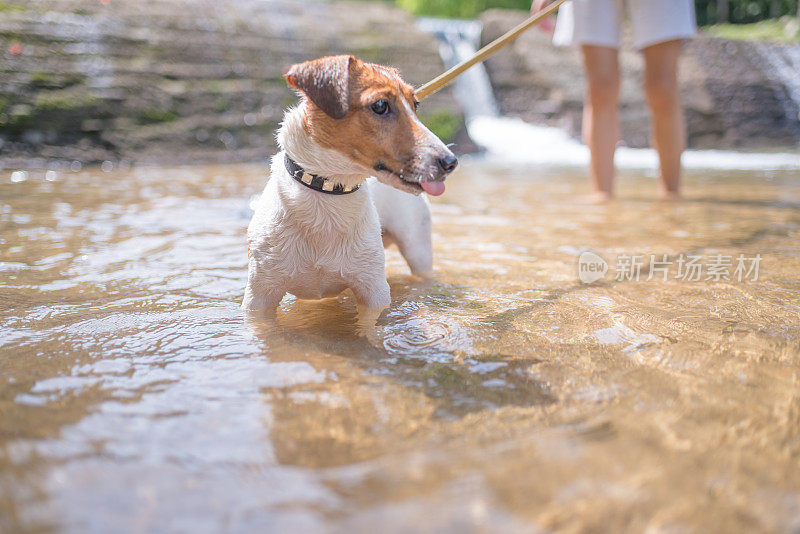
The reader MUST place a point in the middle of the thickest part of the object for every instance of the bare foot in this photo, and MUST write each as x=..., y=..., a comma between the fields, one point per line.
x=669, y=196
x=598, y=197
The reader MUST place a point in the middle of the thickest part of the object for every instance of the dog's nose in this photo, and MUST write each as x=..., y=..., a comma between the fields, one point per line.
x=448, y=162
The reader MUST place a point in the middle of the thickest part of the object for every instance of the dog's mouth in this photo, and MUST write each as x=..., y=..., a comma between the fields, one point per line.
x=401, y=182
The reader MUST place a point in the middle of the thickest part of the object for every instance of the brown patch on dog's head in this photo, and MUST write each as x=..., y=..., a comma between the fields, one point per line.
x=368, y=113
x=325, y=82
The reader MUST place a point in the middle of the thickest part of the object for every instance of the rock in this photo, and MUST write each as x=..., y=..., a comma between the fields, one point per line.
x=731, y=95
x=183, y=80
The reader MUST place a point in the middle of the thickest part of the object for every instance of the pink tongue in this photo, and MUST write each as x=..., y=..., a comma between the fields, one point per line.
x=433, y=188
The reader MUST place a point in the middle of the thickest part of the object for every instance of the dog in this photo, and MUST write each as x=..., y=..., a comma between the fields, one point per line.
x=323, y=220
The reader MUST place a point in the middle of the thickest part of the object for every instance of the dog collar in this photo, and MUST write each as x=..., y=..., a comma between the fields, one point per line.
x=317, y=183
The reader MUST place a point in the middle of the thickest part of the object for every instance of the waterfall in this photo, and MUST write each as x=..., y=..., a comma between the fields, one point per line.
x=784, y=63
x=458, y=39
x=513, y=141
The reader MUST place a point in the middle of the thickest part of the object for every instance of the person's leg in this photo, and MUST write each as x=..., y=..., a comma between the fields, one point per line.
x=601, y=115
x=663, y=98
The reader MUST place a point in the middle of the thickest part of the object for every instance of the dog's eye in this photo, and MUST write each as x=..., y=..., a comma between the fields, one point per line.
x=380, y=107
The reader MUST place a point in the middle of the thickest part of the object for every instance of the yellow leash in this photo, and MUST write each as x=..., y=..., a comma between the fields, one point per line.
x=443, y=79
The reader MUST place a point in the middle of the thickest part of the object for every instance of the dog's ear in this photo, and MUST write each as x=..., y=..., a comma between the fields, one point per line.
x=326, y=81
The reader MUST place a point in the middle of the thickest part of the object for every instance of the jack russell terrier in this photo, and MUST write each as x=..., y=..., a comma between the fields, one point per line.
x=321, y=224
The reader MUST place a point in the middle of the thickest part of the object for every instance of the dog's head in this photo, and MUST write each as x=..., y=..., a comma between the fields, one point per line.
x=368, y=113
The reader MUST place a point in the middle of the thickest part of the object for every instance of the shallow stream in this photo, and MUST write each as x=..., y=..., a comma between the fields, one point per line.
x=504, y=396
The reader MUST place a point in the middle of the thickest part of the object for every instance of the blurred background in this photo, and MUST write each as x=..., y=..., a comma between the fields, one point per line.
x=95, y=81
x=708, y=11
x=503, y=396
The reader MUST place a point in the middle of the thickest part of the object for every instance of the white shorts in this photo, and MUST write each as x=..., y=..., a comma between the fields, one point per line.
x=598, y=22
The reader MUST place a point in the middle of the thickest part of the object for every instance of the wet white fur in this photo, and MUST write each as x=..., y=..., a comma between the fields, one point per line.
x=315, y=245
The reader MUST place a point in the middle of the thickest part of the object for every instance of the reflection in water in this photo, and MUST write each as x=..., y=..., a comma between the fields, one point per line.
x=504, y=396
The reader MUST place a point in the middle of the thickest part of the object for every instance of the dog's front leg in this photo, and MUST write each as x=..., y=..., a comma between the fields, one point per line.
x=255, y=301
x=371, y=293
x=262, y=291
x=372, y=297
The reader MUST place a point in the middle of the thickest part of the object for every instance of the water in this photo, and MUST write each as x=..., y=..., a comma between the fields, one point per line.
x=514, y=141
x=504, y=396
x=458, y=40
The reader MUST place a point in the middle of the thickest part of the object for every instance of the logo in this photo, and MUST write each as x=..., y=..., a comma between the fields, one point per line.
x=591, y=267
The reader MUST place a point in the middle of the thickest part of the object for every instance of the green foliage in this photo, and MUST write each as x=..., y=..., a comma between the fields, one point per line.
x=708, y=11
x=221, y=105
x=445, y=125
x=41, y=79
x=19, y=118
x=742, y=11
x=52, y=80
x=62, y=101
x=6, y=7
x=156, y=115
x=458, y=8
x=784, y=30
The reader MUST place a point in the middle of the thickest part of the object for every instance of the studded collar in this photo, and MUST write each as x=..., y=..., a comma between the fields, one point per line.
x=315, y=182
